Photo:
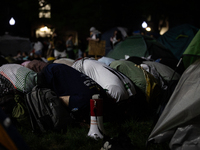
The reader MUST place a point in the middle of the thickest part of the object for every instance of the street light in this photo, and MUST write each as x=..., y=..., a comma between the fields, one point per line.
x=12, y=21
x=148, y=29
x=144, y=24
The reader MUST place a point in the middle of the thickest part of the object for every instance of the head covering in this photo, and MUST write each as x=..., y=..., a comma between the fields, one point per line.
x=25, y=63
x=94, y=30
x=36, y=65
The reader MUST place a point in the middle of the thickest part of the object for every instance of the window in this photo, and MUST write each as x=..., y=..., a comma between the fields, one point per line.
x=44, y=9
x=44, y=32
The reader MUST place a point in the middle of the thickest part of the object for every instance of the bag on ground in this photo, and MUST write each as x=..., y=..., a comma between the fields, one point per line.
x=47, y=111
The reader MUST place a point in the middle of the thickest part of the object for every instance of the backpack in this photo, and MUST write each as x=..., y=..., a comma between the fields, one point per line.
x=47, y=111
x=20, y=113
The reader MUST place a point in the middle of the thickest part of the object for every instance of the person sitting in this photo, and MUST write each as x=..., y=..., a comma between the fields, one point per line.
x=25, y=56
x=18, y=56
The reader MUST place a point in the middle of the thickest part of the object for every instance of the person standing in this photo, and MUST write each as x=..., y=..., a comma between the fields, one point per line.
x=94, y=34
x=94, y=40
x=38, y=47
x=70, y=47
x=116, y=38
x=59, y=51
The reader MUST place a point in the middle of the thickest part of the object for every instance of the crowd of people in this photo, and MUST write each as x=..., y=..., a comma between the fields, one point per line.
x=55, y=47
x=74, y=78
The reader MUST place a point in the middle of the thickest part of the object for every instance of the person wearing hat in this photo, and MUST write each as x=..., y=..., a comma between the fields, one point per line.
x=94, y=34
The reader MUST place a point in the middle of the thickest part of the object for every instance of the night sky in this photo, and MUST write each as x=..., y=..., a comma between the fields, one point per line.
x=81, y=15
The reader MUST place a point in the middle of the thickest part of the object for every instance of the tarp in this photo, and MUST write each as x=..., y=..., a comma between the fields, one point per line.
x=192, y=53
x=140, y=46
x=11, y=44
x=178, y=38
x=181, y=110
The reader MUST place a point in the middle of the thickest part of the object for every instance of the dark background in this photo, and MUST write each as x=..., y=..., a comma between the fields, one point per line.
x=80, y=15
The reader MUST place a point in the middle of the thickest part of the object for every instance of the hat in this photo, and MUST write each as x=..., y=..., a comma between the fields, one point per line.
x=92, y=29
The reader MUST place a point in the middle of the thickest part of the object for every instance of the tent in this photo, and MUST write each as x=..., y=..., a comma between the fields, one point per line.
x=10, y=139
x=192, y=52
x=11, y=44
x=140, y=46
x=178, y=38
x=179, y=122
x=109, y=33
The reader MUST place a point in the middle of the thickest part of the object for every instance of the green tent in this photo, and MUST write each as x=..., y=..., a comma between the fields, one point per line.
x=192, y=52
x=178, y=38
x=140, y=46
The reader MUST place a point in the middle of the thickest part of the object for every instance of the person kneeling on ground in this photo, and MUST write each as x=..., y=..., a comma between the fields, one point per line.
x=73, y=87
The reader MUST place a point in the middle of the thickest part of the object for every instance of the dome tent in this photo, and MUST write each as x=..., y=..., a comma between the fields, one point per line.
x=178, y=38
x=140, y=46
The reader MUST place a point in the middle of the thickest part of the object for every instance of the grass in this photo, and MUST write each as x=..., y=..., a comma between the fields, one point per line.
x=76, y=137
x=134, y=124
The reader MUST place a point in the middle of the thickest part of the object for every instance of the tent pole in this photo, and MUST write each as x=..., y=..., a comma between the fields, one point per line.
x=176, y=68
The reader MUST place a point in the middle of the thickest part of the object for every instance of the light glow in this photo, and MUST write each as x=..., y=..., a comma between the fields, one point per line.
x=144, y=24
x=44, y=32
x=12, y=21
x=148, y=29
x=44, y=29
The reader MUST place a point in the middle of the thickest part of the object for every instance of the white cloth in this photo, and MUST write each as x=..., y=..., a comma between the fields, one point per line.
x=60, y=54
x=94, y=36
x=106, y=60
x=114, y=40
x=38, y=46
x=106, y=77
x=66, y=61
